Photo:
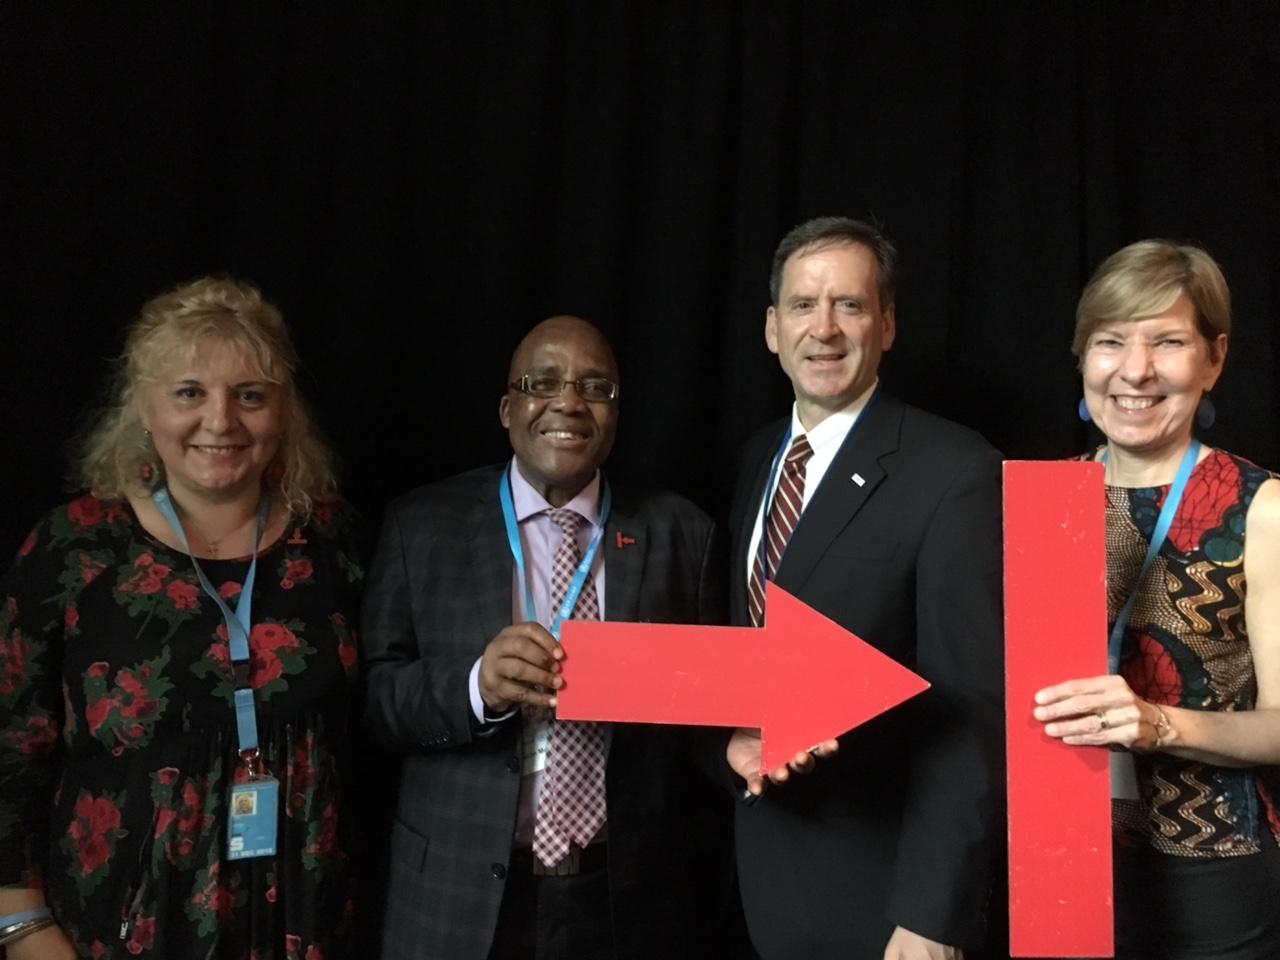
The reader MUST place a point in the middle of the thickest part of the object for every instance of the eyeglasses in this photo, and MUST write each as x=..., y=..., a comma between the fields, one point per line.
x=590, y=389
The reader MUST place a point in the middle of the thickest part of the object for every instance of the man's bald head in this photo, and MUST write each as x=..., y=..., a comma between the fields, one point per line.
x=562, y=328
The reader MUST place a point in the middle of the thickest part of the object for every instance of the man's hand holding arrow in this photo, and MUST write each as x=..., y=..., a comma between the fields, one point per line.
x=743, y=755
x=520, y=666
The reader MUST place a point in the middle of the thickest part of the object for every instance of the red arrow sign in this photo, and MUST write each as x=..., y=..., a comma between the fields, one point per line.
x=801, y=678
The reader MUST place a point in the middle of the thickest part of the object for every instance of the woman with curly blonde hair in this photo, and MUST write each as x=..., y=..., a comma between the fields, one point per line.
x=177, y=653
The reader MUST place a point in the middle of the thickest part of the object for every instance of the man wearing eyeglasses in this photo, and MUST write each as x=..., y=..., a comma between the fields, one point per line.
x=517, y=836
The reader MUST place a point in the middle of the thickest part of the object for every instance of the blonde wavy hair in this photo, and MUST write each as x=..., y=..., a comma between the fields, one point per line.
x=1144, y=279
x=169, y=330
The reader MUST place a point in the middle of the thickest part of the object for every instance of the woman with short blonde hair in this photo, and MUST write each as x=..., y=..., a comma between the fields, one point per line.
x=1191, y=708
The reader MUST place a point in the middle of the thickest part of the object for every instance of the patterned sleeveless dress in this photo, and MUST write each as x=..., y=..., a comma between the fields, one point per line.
x=1187, y=645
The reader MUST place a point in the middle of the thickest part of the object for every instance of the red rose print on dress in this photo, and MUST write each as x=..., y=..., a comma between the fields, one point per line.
x=80, y=569
x=183, y=816
x=295, y=570
x=348, y=653
x=28, y=545
x=87, y=518
x=34, y=735
x=85, y=512
x=92, y=837
x=124, y=715
x=157, y=585
x=144, y=935
x=276, y=651
x=322, y=840
x=182, y=594
x=214, y=903
x=19, y=662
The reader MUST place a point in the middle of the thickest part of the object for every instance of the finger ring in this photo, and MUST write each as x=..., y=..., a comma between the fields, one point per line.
x=1102, y=721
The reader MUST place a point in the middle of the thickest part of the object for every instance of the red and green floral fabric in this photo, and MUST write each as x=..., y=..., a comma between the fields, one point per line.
x=118, y=743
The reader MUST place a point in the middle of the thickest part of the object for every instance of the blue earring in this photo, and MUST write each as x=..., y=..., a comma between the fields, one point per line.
x=1082, y=411
x=1206, y=414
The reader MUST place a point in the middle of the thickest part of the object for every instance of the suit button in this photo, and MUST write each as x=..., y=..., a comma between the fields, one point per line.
x=513, y=764
x=499, y=871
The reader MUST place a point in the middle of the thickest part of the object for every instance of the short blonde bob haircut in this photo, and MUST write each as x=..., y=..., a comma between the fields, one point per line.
x=168, y=332
x=1144, y=279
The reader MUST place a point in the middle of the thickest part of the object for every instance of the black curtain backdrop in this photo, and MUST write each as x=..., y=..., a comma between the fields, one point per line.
x=416, y=184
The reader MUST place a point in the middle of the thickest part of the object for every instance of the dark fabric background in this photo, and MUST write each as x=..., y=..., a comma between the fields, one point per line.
x=416, y=184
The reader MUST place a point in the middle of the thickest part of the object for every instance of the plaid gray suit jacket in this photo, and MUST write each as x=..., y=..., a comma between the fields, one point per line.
x=439, y=590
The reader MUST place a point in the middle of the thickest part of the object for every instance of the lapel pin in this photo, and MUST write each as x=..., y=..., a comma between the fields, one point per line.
x=624, y=541
x=857, y=478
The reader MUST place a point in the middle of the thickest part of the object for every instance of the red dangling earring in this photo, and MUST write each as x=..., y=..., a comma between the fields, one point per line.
x=146, y=469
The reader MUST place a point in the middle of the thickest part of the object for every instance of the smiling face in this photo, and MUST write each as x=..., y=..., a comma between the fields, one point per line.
x=560, y=442
x=1143, y=379
x=216, y=423
x=829, y=328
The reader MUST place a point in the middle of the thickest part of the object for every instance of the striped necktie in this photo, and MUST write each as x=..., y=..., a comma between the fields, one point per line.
x=784, y=514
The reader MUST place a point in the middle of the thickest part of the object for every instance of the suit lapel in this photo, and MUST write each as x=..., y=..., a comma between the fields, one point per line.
x=624, y=548
x=847, y=486
x=751, y=505
x=491, y=562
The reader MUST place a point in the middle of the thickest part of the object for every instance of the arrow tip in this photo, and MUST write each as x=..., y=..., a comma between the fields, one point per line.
x=824, y=681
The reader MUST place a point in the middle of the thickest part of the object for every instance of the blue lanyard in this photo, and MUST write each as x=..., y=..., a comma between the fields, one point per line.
x=517, y=552
x=238, y=624
x=771, y=488
x=1158, y=537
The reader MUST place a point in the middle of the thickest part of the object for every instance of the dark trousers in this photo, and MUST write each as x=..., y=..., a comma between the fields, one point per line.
x=1184, y=908
x=554, y=918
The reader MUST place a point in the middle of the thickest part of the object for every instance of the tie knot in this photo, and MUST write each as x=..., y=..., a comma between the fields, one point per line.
x=570, y=521
x=800, y=452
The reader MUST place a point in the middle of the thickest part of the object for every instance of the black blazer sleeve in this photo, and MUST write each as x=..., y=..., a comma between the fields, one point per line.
x=939, y=887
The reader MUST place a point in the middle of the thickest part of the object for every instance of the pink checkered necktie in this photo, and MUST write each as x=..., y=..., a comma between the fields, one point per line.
x=571, y=804
x=784, y=514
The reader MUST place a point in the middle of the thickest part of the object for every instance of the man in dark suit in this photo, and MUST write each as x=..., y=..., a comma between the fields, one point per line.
x=516, y=836
x=887, y=520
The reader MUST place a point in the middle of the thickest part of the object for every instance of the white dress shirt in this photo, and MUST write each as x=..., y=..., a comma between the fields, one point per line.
x=825, y=439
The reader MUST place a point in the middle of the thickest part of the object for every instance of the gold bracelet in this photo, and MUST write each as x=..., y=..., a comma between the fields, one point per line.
x=1162, y=725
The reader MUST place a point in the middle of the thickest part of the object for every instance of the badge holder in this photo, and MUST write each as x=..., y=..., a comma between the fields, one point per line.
x=252, y=811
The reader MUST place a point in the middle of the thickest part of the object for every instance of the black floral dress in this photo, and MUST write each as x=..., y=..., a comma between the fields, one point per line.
x=118, y=742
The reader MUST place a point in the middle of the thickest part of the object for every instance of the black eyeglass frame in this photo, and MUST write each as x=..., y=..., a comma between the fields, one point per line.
x=523, y=385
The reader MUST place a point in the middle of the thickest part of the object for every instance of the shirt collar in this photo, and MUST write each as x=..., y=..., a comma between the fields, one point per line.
x=529, y=502
x=836, y=426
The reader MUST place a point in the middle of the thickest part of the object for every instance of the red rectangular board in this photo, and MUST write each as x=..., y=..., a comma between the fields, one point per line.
x=1060, y=875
